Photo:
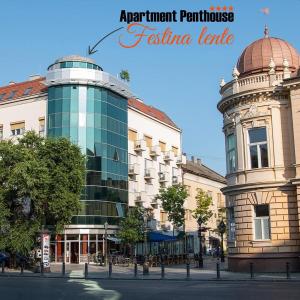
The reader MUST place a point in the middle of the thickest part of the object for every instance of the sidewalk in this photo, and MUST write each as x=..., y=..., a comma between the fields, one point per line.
x=174, y=272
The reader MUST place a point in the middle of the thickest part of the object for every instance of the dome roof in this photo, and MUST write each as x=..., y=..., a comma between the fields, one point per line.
x=257, y=56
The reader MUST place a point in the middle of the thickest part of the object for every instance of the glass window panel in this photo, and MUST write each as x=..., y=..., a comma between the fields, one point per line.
x=258, y=229
x=266, y=228
x=257, y=135
x=66, y=92
x=253, y=156
x=261, y=210
x=264, y=155
x=230, y=141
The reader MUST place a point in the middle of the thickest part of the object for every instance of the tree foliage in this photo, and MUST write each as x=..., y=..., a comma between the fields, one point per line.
x=40, y=184
x=124, y=75
x=132, y=228
x=172, y=199
x=202, y=212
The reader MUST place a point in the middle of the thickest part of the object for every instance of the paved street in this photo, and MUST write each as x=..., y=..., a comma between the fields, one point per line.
x=60, y=289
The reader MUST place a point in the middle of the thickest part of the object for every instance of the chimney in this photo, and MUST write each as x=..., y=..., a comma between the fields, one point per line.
x=193, y=159
x=11, y=83
x=199, y=161
x=34, y=77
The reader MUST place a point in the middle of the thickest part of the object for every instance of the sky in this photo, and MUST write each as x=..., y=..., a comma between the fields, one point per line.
x=183, y=81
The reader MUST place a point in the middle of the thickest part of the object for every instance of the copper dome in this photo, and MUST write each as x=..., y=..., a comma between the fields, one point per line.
x=256, y=57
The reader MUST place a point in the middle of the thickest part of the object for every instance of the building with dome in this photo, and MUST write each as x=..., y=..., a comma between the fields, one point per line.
x=260, y=108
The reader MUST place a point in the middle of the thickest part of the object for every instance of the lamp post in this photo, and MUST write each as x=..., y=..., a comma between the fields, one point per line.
x=105, y=254
x=200, y=259
x=222, y=229
x=145, y=265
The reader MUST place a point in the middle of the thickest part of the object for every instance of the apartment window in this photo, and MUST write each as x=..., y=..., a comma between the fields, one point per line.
x=1, y=132
x=261, y=222
x=17, y=128
x=162, y=146
x=2, y=96
x=231, y=153
x=148, y=140
x=163, y=217
x=27, y=91
x=162, y=168
x=132, y=135
x=11, y=95
x=132, y=158
x=175, y=150
x=258, y=147
x=42, y=126
x=231, y=223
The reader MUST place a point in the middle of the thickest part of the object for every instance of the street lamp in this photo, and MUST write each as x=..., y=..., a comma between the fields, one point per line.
x=145, y=265
x=105, y=254
x=222, y=229
x=200, y=259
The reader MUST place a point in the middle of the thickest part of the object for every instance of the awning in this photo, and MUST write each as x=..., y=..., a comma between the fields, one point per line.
x=114, y=239
x=159, y=237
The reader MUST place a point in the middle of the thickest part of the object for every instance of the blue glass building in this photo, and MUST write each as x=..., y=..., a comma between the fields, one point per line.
x=89, y=107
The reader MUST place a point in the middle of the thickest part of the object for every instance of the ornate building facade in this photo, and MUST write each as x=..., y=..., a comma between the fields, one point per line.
x=260, y=106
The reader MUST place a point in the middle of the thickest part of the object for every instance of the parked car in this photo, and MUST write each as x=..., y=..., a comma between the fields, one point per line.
x=4, y=257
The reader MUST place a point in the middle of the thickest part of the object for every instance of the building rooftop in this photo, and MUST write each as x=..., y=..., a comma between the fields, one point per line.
x=75, y=58
x=197, y=168
x=22, y=90
x=151, y=111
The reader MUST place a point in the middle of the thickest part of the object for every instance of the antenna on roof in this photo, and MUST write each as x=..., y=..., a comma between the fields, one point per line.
x=266, y=31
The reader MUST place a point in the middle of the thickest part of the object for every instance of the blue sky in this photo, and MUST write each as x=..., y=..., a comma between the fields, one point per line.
x=180, y=80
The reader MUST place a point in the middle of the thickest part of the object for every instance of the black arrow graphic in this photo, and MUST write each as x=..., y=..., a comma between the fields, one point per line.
x=92, y=51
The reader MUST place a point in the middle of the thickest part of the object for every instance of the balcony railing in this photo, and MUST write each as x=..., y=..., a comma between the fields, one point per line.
x=140, y=145
x=133, y=169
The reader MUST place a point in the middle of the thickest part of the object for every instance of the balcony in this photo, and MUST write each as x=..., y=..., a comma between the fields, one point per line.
x=149, y=173
x=154, y=202
x=133, y=169
x=155, y=151
x=169, y=156
x=181, y=160
x=140, y=146
x=175, y=180
x=139, y=198
x=163, y=177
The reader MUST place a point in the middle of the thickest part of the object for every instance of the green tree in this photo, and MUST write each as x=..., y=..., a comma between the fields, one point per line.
x=202, y=213
x=132, y=227
x=172, y=200
x=40, y=185
x=124, y=75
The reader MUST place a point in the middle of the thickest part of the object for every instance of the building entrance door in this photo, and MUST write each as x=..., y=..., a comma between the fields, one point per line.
x=74, y=252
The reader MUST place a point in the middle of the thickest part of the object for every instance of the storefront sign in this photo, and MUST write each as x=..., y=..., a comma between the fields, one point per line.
x=46, y=250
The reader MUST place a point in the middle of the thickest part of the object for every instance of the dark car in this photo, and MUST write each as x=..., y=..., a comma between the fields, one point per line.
x=4, y=258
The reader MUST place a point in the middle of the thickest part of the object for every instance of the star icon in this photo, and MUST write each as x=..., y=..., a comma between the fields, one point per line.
x=218, y=8
x=224, y=7
x=230, y=7
x=212, y=8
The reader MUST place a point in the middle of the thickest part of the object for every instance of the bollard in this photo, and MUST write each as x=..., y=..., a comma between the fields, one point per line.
x=63, y=269
x=288, y=274
x=251, y=271
x=188, y=270
x=218, y=270
x=162, y=271
x=42, y=269
x=3, y=265
x=135, y=269
x=109, y=269
x=86, y=271
x=22, y=268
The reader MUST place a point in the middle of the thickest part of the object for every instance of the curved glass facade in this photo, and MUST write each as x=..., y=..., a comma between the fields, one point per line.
x=95, y=118
x=74, y=64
